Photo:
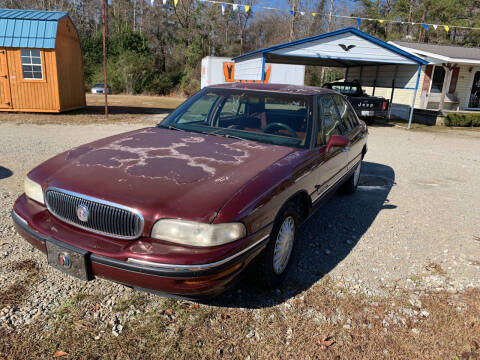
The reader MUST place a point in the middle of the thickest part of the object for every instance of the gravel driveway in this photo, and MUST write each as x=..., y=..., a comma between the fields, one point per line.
x=414, y=223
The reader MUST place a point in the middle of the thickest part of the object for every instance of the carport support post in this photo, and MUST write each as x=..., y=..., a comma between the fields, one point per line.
x=412, y=107
x=391, y=94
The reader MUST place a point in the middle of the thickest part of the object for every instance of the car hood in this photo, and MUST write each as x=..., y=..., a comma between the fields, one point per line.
x=162, y=173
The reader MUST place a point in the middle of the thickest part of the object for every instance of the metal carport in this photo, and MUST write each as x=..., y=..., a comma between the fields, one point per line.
x=367, y=59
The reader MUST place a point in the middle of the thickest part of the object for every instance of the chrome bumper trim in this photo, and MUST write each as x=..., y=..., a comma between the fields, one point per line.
x=196, y=267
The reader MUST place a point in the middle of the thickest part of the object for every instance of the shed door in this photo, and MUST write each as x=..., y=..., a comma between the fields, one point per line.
x=5, y=101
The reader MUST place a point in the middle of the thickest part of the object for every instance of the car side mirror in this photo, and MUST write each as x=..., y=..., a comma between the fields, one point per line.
x=337, y=140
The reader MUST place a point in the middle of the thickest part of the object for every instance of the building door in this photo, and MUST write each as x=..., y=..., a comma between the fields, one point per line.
x=5, y=101
x=474, y=102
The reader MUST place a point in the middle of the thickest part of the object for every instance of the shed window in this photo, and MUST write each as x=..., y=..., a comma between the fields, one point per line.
x=31, y=64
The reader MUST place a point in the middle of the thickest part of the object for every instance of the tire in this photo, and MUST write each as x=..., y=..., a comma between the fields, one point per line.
x=274, y=272
x=350, y=186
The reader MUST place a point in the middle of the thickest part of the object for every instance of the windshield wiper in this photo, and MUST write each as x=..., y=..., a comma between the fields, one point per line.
x=217, y=133
x=171, y=127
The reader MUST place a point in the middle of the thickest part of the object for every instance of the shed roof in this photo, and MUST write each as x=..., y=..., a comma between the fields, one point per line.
x=29, y=28
x=453, y=52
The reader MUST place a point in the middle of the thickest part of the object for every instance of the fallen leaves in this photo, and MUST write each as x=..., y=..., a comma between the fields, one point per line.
x=325, y=342
x=168, y=312
x=60, y=353
x=94, y=308
x=224, y=316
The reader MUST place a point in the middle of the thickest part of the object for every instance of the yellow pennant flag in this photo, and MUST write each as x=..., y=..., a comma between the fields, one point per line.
x=381, y=21
x=313, y=14
x=175, y=2
x=446, y=27
x=247, y=8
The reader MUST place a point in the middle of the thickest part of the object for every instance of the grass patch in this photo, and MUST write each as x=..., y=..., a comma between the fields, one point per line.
x=325, y=322
x=137, y=300
x=14, y=293
x=122, y=109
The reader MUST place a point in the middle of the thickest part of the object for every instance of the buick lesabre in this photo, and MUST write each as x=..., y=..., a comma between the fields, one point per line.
x=184, y=207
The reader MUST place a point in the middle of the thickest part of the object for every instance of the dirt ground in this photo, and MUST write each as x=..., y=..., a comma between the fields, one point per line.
x=391, y=272
x=122, y=109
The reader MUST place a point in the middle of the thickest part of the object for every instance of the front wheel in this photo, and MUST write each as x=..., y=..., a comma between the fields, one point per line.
x=350, y=186
x=276, y=257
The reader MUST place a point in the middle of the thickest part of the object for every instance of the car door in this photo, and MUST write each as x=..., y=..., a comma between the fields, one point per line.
x=351, y=129
x=334, y=161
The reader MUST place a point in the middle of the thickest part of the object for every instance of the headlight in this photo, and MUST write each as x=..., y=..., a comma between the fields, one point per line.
x=197, y=234
x=34, y=190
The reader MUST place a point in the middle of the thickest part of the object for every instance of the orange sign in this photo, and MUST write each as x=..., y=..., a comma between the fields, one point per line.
x=229, y=73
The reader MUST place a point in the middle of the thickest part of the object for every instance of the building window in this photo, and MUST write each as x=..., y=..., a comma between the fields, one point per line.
x=437, y=79
x=31, y=64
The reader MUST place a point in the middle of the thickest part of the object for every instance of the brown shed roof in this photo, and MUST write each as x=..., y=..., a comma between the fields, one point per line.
x=453, y=51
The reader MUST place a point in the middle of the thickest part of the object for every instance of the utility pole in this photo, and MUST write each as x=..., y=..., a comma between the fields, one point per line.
x=329, y=26
x=104, y=34
x=293, y=6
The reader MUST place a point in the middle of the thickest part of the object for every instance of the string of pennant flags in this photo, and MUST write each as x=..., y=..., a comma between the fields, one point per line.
x=247, y=8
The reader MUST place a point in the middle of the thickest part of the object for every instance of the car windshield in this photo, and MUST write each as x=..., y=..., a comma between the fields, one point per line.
x=272, y=118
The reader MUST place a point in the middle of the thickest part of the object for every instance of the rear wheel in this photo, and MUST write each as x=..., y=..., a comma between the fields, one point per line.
x=351, y=184
x=275, y=260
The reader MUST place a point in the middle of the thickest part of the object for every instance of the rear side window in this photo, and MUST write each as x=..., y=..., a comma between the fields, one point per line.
x=349, y=120
x=330, y=121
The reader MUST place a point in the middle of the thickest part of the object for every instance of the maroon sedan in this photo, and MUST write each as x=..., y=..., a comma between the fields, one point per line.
x=184, y=207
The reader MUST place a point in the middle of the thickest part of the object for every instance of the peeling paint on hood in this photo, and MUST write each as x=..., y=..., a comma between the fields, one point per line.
x=163, y=173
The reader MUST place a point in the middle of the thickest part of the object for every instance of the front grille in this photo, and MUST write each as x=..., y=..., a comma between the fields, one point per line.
x=104, y=217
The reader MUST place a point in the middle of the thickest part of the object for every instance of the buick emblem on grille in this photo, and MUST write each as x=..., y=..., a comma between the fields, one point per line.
x=83, y=213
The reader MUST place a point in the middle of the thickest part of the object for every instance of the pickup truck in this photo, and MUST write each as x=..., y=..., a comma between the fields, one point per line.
x=367, y=107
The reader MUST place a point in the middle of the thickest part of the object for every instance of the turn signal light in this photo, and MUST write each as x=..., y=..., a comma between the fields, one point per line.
x=214, y=277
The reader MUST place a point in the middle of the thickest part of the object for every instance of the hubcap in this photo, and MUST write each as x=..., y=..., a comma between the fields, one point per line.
x=283, y=245
x=356, y=175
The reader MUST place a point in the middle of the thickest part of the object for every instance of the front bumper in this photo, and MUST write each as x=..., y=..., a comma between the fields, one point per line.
x=191, y=281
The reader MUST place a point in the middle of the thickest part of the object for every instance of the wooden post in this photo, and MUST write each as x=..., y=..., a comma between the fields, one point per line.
x=104, y=34
x=389, y=116
x=391, y=94
x=444, y=86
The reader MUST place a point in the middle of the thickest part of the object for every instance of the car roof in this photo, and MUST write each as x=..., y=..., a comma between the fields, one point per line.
x=278, y=88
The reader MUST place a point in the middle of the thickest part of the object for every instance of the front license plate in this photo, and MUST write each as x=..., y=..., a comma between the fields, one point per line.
x=68, y=261
x=367, y=113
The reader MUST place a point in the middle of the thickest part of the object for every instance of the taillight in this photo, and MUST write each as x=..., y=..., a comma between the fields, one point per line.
x=384, y=105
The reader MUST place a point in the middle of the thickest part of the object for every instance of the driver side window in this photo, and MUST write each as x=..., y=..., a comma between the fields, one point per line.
x=329, y=119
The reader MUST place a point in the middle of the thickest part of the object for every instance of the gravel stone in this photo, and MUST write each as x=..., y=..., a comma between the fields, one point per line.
x=379, y=238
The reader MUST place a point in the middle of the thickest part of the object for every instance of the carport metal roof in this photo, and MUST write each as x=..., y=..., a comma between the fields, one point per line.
x=346, y=48
x=341, y=48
